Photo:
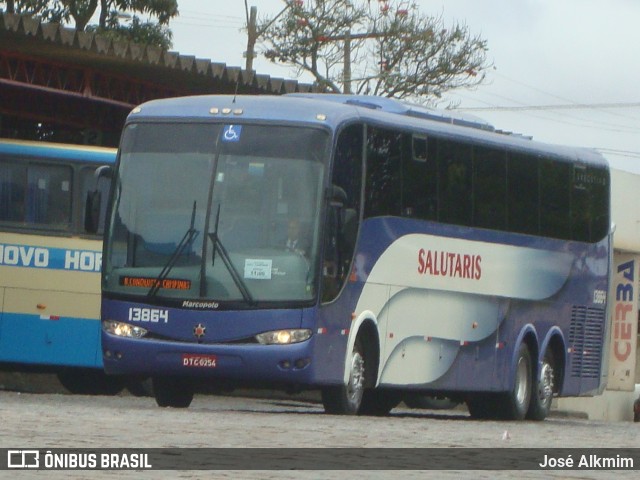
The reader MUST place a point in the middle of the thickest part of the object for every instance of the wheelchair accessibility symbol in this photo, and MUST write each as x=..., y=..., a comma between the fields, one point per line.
x=231, y=133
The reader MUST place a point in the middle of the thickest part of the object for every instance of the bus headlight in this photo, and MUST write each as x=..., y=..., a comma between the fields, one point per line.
x=284, y=337
x=123, y=329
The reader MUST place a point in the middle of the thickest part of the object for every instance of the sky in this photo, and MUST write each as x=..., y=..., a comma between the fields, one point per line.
x=564, y=71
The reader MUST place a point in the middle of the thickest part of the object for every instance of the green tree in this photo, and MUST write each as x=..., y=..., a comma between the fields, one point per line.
x=386, y=48
x=117, y=18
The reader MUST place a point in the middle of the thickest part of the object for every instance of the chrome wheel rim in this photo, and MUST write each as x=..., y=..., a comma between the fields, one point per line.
x=545, y=383
x=355, y=387
x=522, y=385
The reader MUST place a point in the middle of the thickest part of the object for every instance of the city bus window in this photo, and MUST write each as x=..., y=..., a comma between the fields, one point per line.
x=13, y=179
x=489, y=188
x=49, y=196
x=36, y=194
x=89, y=183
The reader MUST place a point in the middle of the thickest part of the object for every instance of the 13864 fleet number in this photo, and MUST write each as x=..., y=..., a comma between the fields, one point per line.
x=153, y=315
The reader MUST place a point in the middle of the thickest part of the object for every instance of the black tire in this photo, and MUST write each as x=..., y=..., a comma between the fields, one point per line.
x=514, y=405
x=543, y=388
x=483, y=406
x=428, y=402
x=172, y=392
x=90, y=381
x=347, y=399
x=140, y=386
x=379, y=402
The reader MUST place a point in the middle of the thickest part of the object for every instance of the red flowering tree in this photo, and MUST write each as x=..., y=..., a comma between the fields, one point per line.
x=384, y=47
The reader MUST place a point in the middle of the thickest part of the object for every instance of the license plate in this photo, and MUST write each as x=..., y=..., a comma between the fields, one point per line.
x=199, y=361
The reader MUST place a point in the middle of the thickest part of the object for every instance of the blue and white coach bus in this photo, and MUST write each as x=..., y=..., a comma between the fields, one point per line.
x=356, y=245
x=49, y=264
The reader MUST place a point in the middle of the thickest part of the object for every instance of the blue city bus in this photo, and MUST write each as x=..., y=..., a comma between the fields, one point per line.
x=361, y=246
x=50, y=263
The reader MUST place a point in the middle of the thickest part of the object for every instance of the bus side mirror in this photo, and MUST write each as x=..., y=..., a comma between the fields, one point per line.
x=93, y=203
x=337, y=196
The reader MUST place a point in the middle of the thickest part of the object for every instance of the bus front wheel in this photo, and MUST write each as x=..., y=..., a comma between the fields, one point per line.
x=172, y=392
x=346, y=399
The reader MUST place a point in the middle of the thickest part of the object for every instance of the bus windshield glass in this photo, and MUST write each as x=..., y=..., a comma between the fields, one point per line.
x=217, y=213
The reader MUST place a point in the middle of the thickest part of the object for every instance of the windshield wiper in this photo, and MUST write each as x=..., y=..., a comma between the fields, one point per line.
x=224, y=255
x=187, y=239
x=217, y=244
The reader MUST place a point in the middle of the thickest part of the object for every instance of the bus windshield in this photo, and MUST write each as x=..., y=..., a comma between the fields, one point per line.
x=211, y=212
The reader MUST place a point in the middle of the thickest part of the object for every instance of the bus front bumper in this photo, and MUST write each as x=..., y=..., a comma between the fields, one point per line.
x=289, y=364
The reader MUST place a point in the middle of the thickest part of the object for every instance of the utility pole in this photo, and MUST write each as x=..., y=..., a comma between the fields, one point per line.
x=346, y=73
x=346, y=38
x=253, y=33
x=252, y=37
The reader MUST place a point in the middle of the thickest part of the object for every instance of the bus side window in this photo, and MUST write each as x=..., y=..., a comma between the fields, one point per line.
x=556, y=178
x=13, y=179
x=95, y=185
x=419, y=179
x=489, y=188
x=454, y=182
x=49, y=192
x=384, y=175
x=522, y=194
x=343, y=212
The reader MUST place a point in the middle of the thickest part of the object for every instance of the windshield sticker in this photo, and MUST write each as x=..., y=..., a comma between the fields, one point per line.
x=148, y=282
x=256, y=169
x=231, y=133
x=257, y=269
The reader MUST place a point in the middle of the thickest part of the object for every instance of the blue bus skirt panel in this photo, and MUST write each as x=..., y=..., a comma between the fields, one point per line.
x=44, y=340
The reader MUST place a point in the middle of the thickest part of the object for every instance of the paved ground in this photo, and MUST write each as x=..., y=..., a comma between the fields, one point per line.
x=57, y=420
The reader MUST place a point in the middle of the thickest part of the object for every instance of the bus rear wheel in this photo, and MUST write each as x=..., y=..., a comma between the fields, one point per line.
x=347, y=399
x=542, y=392
x=514, y=404
x=172, y=392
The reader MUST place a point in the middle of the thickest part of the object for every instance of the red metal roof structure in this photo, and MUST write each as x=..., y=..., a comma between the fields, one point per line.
x=60, y=84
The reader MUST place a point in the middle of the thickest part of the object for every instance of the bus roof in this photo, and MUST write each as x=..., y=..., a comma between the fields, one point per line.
x=333, y=110
x=35, y=149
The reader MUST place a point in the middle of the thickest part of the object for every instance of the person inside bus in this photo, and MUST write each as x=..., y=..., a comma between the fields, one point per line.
x=294, y=242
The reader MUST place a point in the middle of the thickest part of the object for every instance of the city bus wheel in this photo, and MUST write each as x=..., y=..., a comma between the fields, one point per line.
x=428, y=402
x=90, y=381
x=172, y=392
x=346, y=399
x=514, y=405
x=542, y=392
x=482, y=406
x=140, y=386
x=379, y=402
